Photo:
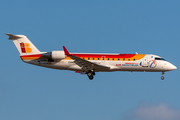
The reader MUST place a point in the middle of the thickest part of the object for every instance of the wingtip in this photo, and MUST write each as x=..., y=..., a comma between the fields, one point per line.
x=65, y=51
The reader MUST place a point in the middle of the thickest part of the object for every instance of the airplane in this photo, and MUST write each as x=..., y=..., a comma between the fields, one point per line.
x=89, y=63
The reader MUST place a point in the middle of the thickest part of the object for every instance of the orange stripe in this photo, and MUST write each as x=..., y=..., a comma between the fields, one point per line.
x=136, y=57
x=29, y=58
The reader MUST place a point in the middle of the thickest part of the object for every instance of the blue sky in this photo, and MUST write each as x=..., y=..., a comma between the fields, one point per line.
x=96, y=26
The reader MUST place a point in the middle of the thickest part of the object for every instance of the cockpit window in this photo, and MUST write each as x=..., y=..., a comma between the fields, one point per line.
x=160, y=59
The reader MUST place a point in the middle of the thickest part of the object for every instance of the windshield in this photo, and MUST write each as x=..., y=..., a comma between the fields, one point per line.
x=160, y=59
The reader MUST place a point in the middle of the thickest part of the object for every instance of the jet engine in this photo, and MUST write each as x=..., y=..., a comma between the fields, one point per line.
x=54, y=55
x=58, y=55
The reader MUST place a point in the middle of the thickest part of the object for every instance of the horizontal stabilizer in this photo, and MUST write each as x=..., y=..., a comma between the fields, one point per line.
x=13, y=37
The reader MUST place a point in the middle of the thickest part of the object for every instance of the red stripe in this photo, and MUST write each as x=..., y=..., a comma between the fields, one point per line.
x=38, y=55
x=105, y=55
x=92, y=55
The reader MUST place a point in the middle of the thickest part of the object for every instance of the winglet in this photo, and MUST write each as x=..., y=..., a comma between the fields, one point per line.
x=65, y=51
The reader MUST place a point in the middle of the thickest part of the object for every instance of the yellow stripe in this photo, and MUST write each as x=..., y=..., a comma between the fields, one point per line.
x=136, y=57
x=29, y=58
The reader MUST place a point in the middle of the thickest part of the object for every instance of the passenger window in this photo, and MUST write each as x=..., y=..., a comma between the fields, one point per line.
x=113, y=59
x=128, y=59
x=93, y=58
x=134, y=59
x=123, y=59
x=88, y=58
x=108, y=58
x=118, y=59
x=98, y=58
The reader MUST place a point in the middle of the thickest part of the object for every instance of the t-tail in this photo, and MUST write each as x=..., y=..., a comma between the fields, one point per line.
x=23, y=44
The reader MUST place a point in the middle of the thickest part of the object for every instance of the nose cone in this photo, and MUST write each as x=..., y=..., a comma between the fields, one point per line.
x=172, y=67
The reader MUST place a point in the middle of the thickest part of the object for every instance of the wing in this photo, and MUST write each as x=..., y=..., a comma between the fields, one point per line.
x=84, y=64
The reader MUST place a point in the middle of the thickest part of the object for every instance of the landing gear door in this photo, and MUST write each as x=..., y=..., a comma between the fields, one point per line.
x=145, y=62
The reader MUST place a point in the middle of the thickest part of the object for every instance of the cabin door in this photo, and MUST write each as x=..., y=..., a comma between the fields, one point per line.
x=145, y=62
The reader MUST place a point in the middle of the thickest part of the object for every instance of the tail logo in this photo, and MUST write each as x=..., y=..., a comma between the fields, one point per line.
x=25, y=48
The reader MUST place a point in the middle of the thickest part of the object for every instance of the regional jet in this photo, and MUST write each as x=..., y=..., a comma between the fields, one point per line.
x=89, y=63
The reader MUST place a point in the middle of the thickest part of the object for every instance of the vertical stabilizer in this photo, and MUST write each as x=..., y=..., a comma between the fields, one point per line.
x=23, y=44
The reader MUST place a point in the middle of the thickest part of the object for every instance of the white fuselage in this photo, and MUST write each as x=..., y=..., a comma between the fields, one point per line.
x=147, y=63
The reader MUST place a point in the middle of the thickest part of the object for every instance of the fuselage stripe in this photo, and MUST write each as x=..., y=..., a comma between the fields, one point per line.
x=107, y=57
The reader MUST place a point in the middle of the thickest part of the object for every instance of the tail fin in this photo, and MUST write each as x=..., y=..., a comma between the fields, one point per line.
x=23, y=44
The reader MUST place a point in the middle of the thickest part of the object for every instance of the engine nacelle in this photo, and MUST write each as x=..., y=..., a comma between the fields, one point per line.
x=58, y=55
x=54, y=55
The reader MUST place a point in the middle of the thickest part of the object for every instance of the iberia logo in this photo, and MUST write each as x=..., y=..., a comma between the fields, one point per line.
x=25, y=48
